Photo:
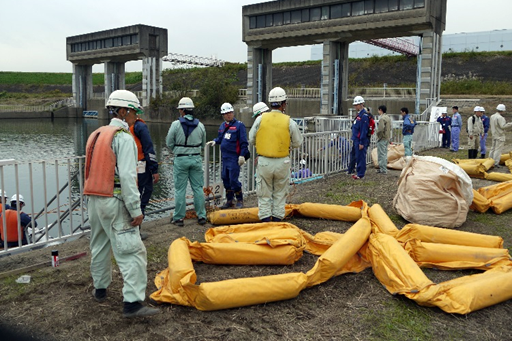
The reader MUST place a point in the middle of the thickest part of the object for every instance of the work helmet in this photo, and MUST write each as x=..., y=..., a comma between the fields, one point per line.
x=302, y=162
x=5, y=193
x=477, y=108
x=186, y=103
x=501, y=107
x=17, y=197
x=358, y=100
x=124, y=99
x=259, y=108
x=277, y=95
x=226, y=108
x=483, y=109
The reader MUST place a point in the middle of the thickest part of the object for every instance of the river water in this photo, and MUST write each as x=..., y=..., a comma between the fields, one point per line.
x=32, y=140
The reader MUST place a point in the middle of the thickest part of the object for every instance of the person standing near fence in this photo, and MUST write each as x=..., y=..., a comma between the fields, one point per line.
x=383, y=136
x=11, y=220
x=360, y=140
x=483, y=138
x=456, y=127
x=114, y=207
x=5, y=205
x=274, y=133
x=186, y=138
x=232, y=138
x=407, y=131
x=147, y=164
x=498, y=127
x=446, y=125
x=475, y=130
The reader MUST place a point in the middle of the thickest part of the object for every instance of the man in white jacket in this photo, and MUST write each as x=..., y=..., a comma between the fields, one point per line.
x=498, y=125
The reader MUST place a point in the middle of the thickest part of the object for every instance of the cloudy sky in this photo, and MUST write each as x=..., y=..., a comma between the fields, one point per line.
x=33, y=32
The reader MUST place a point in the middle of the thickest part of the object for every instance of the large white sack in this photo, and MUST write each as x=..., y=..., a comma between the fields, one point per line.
x=433, y=191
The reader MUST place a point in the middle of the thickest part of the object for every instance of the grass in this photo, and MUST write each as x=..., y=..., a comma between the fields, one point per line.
x=399, y=319
x=47, y=78
x=341, y=195
x=475, y=86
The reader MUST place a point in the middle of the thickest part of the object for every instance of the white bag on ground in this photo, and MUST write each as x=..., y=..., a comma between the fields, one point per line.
x=433, y=191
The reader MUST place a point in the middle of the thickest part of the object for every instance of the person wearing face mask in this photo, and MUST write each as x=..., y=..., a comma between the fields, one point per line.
x=114, y=207
x=233, y=142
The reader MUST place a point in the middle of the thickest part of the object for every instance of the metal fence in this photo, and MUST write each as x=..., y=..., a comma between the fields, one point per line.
x=37, y=108
x=55, y=186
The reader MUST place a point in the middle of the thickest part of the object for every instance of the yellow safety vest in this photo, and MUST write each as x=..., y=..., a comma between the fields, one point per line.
x=273, y=135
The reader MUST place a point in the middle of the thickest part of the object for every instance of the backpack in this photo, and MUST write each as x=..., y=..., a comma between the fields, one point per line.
x=371, y=127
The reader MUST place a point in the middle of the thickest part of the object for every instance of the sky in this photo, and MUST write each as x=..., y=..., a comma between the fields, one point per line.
x=33, y=32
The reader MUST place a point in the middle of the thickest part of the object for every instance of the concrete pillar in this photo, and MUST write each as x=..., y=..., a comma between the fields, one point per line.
x=334, y=86
x=259, y=67
x=151, y=79
x=114, y=77
x=428, y=87
x=82, y=85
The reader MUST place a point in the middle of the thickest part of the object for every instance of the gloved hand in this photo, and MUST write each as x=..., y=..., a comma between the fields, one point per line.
x=210, y=143
x=241, y=160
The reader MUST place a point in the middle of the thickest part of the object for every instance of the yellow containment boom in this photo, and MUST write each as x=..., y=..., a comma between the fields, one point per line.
x=396, y=257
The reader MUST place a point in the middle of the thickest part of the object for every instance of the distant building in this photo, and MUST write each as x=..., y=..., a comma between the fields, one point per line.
x=497, y=40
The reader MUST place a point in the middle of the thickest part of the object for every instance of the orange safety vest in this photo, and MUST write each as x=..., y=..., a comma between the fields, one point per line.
x=11, y=222
x=140, y=151
x=100, y=162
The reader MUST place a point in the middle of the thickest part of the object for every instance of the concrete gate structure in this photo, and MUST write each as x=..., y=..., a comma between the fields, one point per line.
x=114, y=48
x=335, y=24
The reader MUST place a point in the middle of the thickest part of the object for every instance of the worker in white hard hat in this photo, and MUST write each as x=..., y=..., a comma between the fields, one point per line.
x=232, y=138
x=14, y=236
x=274, y=133
x=4, y=201
x=259, y=108
x=147, y=163
x=475, y=130
x=114, y=207
x=483, y=138
x=360, y=140
x=187, y=138
x=498, y=127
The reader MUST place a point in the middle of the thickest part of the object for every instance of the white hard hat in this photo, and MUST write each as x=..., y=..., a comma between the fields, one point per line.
x=277, y=95
x=302, y=162
x=186, y=103
x=501, y=107
x=124, y=99
x=5, y=193
x=226, y=108
x=483, y=109
x=358, y=100
x=477, y=108
x=17, y=197
x=259, y=108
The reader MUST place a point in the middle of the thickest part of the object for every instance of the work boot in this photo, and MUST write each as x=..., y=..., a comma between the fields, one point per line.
x=275, y=219
x=266, y=220
x=99, y=295
x=239, y=200
x=136, y=309
x=230, y=195
x=482, y=156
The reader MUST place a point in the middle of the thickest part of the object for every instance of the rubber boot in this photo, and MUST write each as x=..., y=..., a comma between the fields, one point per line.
x=475, y=153
x=482, y=156
x=239, y=199
x=229, y=199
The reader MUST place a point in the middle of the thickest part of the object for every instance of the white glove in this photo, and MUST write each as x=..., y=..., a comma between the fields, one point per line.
x=211, y=143
x=241, y=160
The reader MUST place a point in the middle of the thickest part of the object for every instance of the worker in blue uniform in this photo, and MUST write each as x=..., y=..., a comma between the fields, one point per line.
x=446, y=125
x=360, y=140
x=407, y=131
x=483, y=139
x=233, y=142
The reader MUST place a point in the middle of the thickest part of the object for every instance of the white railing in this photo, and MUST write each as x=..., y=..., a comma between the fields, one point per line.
x=37, y=108
x=52, y=189
x=383, y=92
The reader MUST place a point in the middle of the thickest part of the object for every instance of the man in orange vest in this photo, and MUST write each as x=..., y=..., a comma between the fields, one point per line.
x=147, y=164
x=11, y=222
x=114, y=207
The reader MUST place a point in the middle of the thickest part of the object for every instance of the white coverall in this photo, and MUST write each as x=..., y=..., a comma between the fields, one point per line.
x=498, y=125
x=273, y=175
x=110, y=219
x=475, y=130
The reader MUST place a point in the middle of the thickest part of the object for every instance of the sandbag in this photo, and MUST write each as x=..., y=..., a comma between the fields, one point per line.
x=239, y=216
x=501, y=177
x=448, y=188
x=505, y=157
x=433, y=234
x=396, y=154
x=473, y=168
x=453, y=257
x=381, y=222
x=332, y=212
x=480, y=203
